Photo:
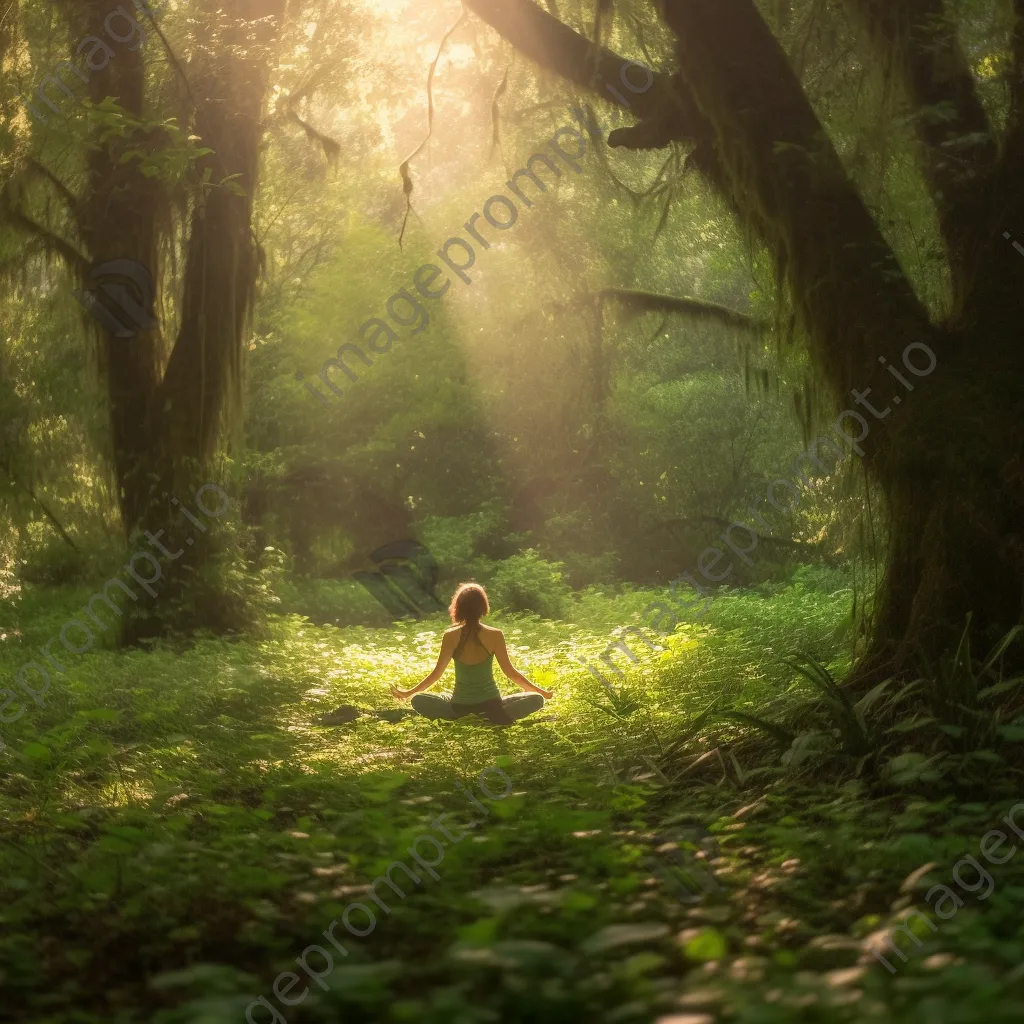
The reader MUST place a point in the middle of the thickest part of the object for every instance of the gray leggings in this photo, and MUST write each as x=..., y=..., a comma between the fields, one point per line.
x=497, y=710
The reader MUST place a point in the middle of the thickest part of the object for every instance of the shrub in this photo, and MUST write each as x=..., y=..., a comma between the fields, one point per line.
x=583, y=570
x=527, y=582
x=455, y=540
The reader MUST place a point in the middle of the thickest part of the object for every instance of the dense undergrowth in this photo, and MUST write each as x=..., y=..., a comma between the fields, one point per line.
x=176, y=830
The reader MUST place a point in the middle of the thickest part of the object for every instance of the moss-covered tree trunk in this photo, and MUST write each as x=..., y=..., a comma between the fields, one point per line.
x=949, y=428
x=170, y=399
x=946, y=446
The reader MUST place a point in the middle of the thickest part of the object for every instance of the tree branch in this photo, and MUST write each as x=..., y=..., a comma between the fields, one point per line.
x=666, y=110
x=782, y=542
x=66, y=194
x=47, y=239
x=958, y=148
x=46, y=511
x=556, y=47
x=331, y=148
x=644, y=301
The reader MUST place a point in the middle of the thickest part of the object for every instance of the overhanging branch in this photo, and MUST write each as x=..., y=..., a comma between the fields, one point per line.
x=556, y=47
x=37, y=167
x=47, y=240
x=42, y=504
x=814, y=547
x=666, y=110
x=642, y=301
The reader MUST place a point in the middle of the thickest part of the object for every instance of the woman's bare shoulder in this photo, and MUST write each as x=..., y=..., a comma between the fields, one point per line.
x=490, y=631
x=452, y=630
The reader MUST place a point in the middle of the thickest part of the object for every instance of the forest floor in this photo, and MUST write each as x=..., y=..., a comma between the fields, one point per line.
x=176, y=831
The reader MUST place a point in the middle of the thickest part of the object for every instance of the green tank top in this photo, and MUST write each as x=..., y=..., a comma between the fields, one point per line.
x=475, y=683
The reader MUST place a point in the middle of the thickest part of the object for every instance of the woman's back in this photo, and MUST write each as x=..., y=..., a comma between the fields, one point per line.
x=474, y=666
x=474, y=648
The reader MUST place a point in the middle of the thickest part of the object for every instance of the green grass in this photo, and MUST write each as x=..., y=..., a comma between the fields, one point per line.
x=176, y=832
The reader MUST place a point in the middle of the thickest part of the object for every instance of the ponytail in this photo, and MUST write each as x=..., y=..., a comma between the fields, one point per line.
x=468, y=606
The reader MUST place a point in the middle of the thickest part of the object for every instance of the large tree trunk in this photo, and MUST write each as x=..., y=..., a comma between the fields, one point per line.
x=169, y=403
x=201, y=384
x=954, y=481
x=120, y=218
x=948, y=453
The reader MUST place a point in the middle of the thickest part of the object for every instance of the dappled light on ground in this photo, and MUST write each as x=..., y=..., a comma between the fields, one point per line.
x=225, y=827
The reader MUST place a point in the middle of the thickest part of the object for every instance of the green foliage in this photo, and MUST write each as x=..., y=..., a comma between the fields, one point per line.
x=960, y=693
x=618, y=703
x=527, y=582
x=848, y=718
x=779, y=733
x=456, y=542
x=53, y=563
x=329, y=602
x=167, y=799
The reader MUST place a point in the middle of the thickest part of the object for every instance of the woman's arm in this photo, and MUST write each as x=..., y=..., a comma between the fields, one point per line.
x=448, y=644
x=517, y=677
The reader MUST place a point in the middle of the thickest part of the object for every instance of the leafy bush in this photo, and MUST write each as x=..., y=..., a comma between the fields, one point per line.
x=454, y=541
x=527, y=582
x=823, y=579
x=583, y=570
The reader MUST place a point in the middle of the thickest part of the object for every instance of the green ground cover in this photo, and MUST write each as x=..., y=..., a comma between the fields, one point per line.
x=176, y=831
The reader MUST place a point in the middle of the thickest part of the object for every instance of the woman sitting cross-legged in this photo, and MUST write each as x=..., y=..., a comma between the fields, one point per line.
x=474, y=647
